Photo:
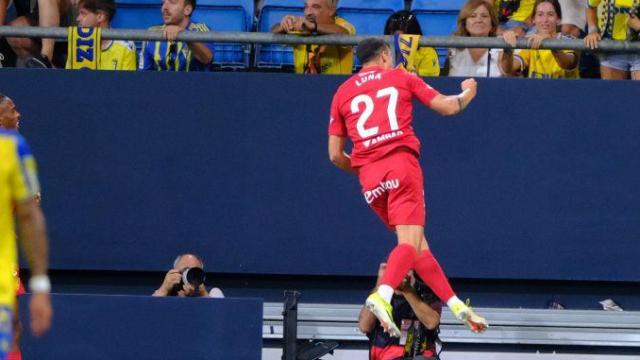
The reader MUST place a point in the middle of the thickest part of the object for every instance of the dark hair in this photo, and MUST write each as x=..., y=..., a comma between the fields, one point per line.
x=369, y=48
x=404, y=21
x=2, y=97
x=106, y=6
x=193, y=5
x=554, y=3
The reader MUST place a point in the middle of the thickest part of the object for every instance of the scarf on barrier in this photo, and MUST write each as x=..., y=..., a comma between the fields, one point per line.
x=406, y=47
x=84, y=48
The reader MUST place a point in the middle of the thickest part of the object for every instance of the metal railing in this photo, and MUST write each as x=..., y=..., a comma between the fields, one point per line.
x=269, y=38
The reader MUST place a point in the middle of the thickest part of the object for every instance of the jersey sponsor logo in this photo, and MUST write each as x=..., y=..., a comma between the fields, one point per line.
x=381, y=138
x=367, y=77
x=379, y=190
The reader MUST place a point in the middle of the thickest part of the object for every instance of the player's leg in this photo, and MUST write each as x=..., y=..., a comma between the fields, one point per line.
x=428, y=268
x=399, y=262
x=412, y=210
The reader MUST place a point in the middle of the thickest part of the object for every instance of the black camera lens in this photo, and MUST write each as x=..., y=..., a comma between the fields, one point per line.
x=193, y=276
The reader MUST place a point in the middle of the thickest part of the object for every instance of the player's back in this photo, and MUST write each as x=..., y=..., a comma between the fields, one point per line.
x=374, y=108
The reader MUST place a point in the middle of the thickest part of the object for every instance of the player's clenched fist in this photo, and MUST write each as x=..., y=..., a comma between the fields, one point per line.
x=471, y=85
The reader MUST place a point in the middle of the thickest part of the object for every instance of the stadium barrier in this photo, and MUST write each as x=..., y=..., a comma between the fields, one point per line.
x=269, y=38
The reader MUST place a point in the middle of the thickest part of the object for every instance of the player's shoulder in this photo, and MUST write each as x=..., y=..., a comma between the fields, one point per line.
x=402, y=75
x=14, y=137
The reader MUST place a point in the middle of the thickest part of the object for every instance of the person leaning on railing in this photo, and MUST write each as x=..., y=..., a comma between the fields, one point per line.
x=319, y=19
x=173, y=55
x=538, y=63
x=477, y=18
x=36, y=52
x=617, y=20
x=114, y=54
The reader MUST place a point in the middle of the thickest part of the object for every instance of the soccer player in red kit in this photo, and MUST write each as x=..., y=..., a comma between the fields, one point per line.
x=374, y=110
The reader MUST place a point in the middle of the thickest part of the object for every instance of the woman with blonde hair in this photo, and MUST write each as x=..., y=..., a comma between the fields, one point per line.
x=477, y=18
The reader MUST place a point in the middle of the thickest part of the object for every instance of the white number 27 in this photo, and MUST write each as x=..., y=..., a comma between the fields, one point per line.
x=392, y=93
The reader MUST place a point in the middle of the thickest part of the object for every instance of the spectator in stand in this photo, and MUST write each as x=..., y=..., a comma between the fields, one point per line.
x=416, y=311
x=172, y=55
x=426, y=61
x=115, y=54
x=179, y=282
x=477, y=18
x=573, y=17
x=36, y=52
x=514, y=15
x=545, y=64
x=319, y=19
x=618, y=21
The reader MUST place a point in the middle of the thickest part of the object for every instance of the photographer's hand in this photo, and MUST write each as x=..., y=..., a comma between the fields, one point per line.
x=202, y=291
x=172, y=278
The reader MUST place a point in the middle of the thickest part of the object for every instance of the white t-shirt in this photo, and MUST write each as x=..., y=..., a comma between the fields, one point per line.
x=216, y=293
x=461, y=64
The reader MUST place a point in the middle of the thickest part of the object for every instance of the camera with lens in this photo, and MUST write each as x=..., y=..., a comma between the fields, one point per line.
x=192, y=275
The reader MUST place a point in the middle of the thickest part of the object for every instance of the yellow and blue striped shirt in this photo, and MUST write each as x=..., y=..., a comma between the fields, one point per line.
x=18, y=182
x=170, y=55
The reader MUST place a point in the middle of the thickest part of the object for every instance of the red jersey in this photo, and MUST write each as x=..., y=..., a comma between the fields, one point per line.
x=374, y=109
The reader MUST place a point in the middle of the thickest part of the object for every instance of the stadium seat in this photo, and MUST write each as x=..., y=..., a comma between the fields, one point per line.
x=438, y=5
x=275, y=56
x=220, y=15
x=368, y=16
x=137, y=14
x=437, y=18
x=228, y=15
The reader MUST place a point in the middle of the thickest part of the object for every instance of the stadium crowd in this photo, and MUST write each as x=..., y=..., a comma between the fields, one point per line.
x=536, y=20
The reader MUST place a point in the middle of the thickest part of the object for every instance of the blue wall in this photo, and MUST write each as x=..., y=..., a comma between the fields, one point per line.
x=87, y=327
x=536, y=180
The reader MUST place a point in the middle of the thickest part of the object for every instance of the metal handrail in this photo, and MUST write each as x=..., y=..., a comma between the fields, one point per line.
x=269, y=38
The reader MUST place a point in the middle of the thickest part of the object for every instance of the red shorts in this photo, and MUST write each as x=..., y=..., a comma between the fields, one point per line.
x=393, y=187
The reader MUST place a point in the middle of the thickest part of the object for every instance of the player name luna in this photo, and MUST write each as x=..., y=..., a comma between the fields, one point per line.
x=368, y=76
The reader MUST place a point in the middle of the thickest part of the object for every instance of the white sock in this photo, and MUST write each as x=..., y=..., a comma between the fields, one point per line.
x=453, y=301
x=386, y=292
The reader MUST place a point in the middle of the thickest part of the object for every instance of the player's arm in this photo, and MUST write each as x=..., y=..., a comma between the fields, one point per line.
x=33, y=240
x=337, y=154
x=32, y=235
x=449, y=105
x=424, y=312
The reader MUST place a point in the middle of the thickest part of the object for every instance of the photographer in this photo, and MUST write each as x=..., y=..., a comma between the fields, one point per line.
x=416, y=311
x=186, y=279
